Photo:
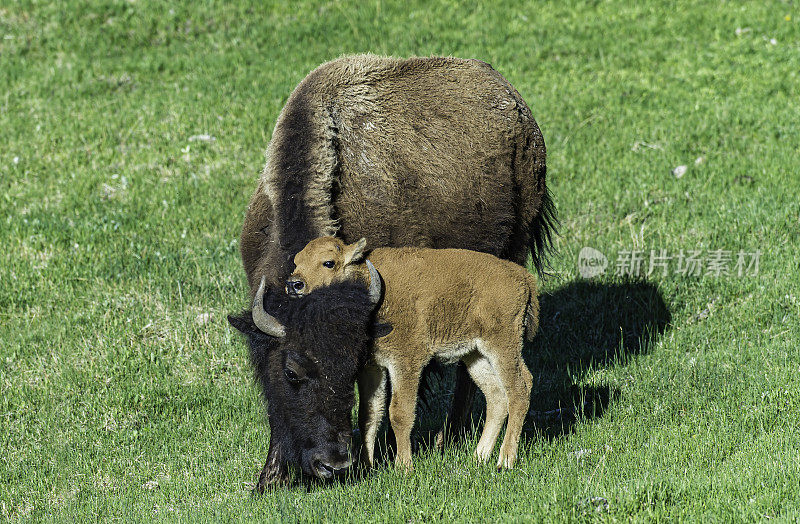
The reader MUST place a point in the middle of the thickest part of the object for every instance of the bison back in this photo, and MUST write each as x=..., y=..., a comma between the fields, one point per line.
x=428, y=152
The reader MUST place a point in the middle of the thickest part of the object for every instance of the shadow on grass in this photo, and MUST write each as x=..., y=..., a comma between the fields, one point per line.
x=583, y=326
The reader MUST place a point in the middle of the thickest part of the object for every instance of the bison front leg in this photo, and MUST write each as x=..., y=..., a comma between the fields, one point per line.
x=275, y=472
x=371, y=406
x=456, y=424
x=405, y=382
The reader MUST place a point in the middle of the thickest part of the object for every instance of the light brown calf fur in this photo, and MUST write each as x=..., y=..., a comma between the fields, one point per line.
x=449, y=304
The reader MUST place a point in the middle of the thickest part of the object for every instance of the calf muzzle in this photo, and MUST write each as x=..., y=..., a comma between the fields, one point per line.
x=295, y=288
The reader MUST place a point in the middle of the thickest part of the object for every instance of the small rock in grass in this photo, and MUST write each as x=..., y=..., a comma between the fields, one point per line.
x=204, y=318
x=580, y=453
x=699, y=160
x=150, y=485
x=15, y=160
x=679, y=171
x=202, y=138
x=107, y=191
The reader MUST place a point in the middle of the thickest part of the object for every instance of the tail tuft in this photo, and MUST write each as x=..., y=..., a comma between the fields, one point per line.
x=543, y=228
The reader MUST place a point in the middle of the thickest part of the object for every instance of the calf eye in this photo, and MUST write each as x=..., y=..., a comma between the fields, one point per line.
x=293, y=377
x=328, y=263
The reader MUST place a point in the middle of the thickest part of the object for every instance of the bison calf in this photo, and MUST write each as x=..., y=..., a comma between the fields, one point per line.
x=449, y=304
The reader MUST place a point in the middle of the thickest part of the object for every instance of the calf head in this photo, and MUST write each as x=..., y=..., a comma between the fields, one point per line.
x=306, y=354
x=324, y=261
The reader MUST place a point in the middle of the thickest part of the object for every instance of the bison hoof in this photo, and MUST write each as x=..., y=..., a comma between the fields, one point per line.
x=270, y=479
x=438, y=441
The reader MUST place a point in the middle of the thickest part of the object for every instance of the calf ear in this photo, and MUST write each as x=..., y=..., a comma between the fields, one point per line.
x=244, y=323
x=381, y=329
x=355, y=251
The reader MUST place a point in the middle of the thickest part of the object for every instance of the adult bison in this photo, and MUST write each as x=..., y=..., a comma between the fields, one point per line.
x=429, y=152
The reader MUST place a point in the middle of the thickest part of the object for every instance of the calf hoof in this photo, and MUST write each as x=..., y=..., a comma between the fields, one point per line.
x=404, y=465
x=438, y=442
x=506, y=460
x=483, y=454
x=448, y=435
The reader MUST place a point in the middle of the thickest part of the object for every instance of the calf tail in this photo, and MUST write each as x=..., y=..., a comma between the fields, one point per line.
x=532, y=308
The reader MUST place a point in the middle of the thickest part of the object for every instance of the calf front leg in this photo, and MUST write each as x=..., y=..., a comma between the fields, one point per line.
x=405, y=382
x=371, y=405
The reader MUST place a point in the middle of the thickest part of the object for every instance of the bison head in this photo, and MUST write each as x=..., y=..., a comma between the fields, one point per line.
x=306, y=354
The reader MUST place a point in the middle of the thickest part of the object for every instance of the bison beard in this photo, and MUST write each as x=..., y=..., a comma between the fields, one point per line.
x=327, y=341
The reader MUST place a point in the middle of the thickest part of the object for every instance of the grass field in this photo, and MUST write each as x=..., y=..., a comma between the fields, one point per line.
x=125, y=394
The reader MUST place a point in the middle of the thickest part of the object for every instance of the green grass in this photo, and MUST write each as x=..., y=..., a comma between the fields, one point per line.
x=679, y=396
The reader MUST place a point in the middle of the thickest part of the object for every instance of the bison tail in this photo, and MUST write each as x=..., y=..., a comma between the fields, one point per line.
x=542, y=230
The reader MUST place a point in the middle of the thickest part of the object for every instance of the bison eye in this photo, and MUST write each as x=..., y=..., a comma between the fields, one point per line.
x=293, y=377
x=328, y=263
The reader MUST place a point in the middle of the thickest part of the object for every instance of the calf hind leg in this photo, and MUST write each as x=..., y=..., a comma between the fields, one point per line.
x=517, y=382
x=484, y=375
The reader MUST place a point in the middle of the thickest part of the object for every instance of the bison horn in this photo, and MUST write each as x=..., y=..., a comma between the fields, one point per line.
x=374, y=283
x=263, y=320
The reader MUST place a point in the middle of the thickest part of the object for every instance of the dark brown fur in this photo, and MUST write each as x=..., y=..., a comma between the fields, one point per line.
x=430, y=152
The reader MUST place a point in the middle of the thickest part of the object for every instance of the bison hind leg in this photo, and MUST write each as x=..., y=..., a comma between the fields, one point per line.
x=463, y=396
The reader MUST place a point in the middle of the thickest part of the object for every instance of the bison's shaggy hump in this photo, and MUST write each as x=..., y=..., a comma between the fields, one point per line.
x=429, y=152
